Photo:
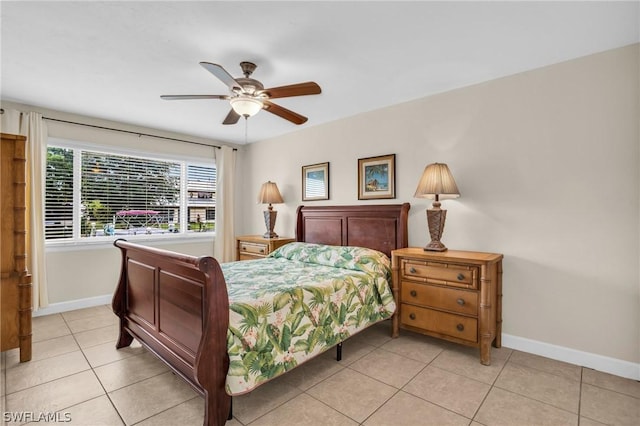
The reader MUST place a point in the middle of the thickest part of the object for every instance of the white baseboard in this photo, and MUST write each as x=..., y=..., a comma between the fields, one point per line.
x=603, y=363
x=585, y=359
x=72, y=305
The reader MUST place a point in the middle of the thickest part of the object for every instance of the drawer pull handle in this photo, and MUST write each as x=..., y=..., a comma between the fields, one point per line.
x=412, y=270
x=412, y=316
x=261, y=250
x=460, y=277
x=244, y=248
x=413, y=293
x=460, y=327
x=460, y=301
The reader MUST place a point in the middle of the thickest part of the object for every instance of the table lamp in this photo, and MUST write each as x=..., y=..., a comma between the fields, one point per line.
x=269, y=194
x=436, y=183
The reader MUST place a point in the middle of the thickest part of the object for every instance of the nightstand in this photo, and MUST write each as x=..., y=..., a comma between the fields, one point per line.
x=452, y=295
x=250, y=247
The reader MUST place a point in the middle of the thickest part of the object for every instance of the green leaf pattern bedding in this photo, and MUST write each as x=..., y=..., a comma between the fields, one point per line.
x=300, y=301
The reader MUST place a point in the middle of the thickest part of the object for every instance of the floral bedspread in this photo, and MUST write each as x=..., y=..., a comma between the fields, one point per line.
x=297, y=303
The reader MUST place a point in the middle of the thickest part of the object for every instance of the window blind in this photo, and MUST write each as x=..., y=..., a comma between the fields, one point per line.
x=104, y=194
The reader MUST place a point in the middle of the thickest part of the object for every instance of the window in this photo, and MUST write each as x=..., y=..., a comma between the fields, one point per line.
x=98, y=194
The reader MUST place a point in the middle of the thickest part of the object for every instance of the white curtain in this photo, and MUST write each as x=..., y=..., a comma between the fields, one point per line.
x=224, y=246
x=34, y=128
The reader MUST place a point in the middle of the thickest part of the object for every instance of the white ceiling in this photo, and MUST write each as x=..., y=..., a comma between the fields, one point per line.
x=113, y=60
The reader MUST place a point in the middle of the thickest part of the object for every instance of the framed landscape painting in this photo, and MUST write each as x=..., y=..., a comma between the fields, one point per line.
x=315, y=182
x=376, y=177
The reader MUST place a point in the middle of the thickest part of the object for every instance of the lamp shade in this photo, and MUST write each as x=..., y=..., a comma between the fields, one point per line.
x=437, y=183
x=269, y=194
x=246, y=105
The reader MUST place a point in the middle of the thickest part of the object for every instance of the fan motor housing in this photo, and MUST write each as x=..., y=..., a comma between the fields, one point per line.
x=250, y=85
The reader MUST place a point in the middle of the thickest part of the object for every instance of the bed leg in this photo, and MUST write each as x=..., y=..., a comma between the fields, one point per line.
x=124, y=339
x=214, y=412
x=230, y=416
x=339, y=352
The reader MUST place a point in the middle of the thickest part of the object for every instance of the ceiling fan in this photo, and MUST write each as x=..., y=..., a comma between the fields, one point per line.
x=248, y=96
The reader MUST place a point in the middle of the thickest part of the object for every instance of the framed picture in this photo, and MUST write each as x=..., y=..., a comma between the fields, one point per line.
x=376, y=177
x=315, y=182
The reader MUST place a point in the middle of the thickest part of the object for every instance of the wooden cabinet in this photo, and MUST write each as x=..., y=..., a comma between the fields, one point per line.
x=452, y=295
x=15, y=280
x=251, y=247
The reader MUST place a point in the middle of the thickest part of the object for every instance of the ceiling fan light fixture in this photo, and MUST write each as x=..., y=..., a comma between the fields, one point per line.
x=246, y=106
x=247, y=96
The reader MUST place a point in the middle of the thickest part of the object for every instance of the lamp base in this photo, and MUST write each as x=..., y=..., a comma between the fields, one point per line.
x=435, y=219
x=270, y=223
x=435, y=246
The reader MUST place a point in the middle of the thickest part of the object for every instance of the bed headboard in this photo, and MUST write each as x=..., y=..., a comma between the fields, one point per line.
x=381, y=227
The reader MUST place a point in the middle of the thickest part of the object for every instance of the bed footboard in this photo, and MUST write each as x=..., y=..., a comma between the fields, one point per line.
x=177, y=307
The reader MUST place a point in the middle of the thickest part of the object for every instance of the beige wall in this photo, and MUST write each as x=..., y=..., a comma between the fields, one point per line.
x=92, y=271
x=548, y=165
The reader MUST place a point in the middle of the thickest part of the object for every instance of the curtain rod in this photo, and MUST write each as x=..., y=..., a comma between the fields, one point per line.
x=130, y=132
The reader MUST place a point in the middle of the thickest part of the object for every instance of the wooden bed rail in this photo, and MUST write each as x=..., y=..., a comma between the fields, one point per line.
x=177, y=307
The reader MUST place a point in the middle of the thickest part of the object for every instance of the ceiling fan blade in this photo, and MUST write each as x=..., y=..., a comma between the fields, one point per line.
x=222, y=74
x=181, y=97
x=287, y=114
x=300, y=89
x=231, y=118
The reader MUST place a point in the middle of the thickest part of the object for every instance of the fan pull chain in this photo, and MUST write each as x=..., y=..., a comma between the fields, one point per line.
x=246, y=130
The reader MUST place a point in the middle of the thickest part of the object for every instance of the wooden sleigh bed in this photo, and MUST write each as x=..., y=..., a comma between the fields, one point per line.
x=178, y=306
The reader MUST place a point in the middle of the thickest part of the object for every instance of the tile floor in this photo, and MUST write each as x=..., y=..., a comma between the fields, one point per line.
x=412, y=380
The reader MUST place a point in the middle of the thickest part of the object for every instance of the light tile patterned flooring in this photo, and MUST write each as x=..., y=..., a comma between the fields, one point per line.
x=411, y=380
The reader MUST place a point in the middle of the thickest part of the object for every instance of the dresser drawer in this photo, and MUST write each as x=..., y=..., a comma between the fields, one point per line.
x=441, y=273
x=457, y=326
x=250, y=247
x=450, y=299
x=253, y=248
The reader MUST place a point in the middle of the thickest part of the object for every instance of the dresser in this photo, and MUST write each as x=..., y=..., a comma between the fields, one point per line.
x=15, y=280
x=452, y=295
x=251, y=247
